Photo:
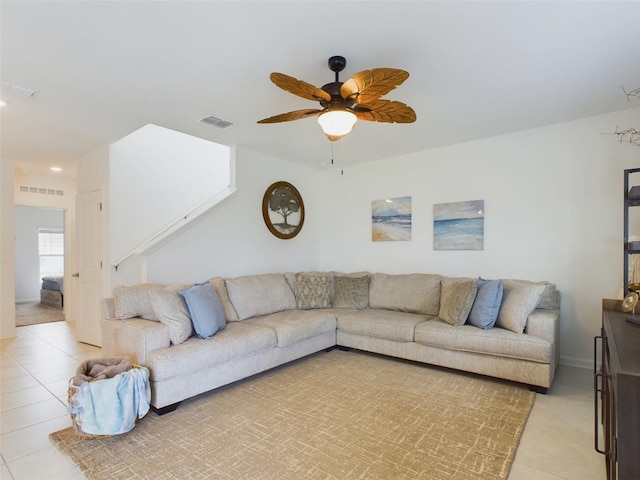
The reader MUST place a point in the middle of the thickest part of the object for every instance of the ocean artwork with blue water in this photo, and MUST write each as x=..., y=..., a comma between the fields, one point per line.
x=391, y=219
x=458, y=225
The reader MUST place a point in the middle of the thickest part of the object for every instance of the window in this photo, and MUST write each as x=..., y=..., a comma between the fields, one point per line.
x=51, y=251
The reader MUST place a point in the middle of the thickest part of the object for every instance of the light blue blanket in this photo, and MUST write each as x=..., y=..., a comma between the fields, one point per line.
x=111, y=406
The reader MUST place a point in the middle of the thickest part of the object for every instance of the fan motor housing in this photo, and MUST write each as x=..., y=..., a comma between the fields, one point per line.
x=337, y=63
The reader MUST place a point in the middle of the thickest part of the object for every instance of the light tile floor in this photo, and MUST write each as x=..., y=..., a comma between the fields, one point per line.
x=36, y=366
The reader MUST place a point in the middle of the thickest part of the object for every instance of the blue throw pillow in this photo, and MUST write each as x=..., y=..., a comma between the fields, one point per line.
x=205, y=309
x=486, y=306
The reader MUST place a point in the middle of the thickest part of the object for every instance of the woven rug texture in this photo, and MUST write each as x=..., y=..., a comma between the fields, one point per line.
x=32, y=313
x=332, y=416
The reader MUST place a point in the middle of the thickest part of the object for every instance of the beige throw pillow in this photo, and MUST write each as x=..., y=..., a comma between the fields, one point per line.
x=170, y=307
x=351, y=292
x=456, y=300
x=518, y=301
x=133, y=301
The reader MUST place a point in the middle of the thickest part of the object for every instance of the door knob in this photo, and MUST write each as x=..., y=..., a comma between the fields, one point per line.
x=75, y=274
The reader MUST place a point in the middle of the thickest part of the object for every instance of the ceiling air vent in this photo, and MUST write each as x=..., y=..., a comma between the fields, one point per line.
x=41, y=191
x=216, y=122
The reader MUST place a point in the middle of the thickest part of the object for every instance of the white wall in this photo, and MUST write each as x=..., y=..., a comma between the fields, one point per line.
x=27, y=221
x=553, y=211
x=7, y=267
x=157, y=176
x=232, y=239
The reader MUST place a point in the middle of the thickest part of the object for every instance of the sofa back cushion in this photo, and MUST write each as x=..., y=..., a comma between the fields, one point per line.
x=220, y=288
x=414, y=292
x=255, y=295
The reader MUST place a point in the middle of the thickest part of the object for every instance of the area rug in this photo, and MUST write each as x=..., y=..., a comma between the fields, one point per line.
x=333, y=416
x=32, y=313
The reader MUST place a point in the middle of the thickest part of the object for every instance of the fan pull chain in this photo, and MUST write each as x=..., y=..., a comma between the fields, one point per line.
x=341, y=156
x=332, y=152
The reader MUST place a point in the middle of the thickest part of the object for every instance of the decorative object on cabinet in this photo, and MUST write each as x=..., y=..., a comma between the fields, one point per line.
x=283, y=210
x=629, y=302
x=617, y=392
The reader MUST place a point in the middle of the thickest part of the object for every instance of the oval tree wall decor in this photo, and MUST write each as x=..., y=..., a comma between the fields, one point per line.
x=283, y=210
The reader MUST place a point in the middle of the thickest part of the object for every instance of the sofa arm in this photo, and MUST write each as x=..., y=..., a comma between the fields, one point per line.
x=545, y=324
x=133, y=338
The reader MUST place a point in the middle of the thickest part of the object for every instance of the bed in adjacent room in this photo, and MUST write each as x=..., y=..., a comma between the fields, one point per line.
x=52, y=292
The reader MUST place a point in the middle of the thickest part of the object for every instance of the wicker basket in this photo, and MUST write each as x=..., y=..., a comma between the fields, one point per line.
x=71, y=393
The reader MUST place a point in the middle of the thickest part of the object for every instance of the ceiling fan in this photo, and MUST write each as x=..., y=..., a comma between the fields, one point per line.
x=345, y=102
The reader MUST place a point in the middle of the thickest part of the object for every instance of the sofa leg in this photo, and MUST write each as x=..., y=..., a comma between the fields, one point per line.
x=538, y=389
x=167, y=409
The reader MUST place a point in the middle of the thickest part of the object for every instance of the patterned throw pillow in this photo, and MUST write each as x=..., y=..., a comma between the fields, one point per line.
x=456, y=300
x=314, y=291
x=351, y=292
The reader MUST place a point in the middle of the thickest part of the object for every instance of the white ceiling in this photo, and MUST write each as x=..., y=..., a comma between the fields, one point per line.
x=477, y=69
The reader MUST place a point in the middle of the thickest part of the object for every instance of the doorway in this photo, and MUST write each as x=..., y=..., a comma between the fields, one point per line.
x=39, y=264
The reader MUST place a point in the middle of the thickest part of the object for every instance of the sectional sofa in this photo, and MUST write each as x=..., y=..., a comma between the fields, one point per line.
x=196, y=338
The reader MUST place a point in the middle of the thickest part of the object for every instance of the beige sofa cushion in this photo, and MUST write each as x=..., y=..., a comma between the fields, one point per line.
x=255, y=295
x=236, y=340
x=415, y=293
x=495, y=341
x=221, y=291
x=385, y=324
x=134, y=301
x=293, y=326
x=456, y=300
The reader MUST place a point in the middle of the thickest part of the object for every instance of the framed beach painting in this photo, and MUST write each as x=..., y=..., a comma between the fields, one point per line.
x=391, y=219
x=458, y=225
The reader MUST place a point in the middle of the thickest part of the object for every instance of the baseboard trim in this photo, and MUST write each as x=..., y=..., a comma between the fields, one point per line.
x=577, y=362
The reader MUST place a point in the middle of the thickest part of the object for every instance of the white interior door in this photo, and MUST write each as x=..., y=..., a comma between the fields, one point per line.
x=90, y=258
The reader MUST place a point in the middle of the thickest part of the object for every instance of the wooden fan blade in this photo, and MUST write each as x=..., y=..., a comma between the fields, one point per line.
x=385, y=111
x=299, y=87
x=295, y=115
x=369, y=85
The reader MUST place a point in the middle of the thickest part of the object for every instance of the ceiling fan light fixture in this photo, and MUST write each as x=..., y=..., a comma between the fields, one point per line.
x=337, y=122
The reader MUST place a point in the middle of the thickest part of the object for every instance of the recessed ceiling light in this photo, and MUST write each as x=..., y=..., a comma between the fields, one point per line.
x=2, y=103
x=55, y=169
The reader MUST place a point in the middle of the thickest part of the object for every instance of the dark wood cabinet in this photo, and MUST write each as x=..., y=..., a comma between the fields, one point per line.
x=617, y=392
